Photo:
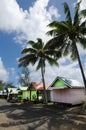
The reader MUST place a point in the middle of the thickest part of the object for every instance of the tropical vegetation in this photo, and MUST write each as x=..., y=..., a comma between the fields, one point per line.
x=38, y=53
x=68, y=33
x=24, y=77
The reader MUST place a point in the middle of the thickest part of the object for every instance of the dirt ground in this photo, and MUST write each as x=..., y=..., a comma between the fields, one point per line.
x=41, y=117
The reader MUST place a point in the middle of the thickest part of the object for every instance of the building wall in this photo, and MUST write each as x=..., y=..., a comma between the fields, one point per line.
x=68, y=95
x=59, y=83
x=26, y=94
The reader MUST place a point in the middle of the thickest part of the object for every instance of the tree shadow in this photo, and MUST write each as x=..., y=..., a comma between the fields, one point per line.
x=42, y=117
x=68, y=120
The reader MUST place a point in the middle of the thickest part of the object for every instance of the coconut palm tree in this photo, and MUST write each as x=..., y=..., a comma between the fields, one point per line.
x=38, y=53
x=68, y=33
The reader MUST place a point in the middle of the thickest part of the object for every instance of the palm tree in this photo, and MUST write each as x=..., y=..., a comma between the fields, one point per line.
x=38, y=52
x=68, y=33
x=24, y=79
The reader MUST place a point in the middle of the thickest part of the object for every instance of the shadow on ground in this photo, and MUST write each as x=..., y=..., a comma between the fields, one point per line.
x=43, y=117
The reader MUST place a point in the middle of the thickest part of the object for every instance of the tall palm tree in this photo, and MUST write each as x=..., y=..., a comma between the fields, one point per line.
x=38, y=52
x=68, y=33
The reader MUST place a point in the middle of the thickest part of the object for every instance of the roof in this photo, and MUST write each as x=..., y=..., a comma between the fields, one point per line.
x=39, y=86
x=23, y=88
x=68, y=82
x=12, y=90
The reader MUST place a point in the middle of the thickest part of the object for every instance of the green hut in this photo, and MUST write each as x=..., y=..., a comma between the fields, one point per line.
x=24, y=93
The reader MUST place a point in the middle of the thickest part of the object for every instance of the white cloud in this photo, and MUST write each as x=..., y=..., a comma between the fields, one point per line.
x=28, y=24
x=11, y=16
x=38, y=17
x=83, y=4
x=54, y=12
x=3, y=72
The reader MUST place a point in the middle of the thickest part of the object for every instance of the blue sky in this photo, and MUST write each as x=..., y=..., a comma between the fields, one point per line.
x=24, y=20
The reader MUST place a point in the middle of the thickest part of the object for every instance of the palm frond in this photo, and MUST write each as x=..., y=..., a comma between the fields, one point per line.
x=67, y=12
x=31, y=43
x=73, y=52
x=51, y=61
x=82, y=28
x=39, y=40
x=77, y=7
x=49, y=52
x=40, y=43
x=53, y=24
x=58, y=27
x=38, y=66
x=23, y=63
x=64, y=24
x=57, y=54
x=83, y=24
x=27, y=59
x=41, y=63
x=73, y=56
x=28, y=50
x=82, y=31
x=82, y=41
x=76, y=18
x=83, y=13
x=52, y=32
x=55, y=42
x=66, y=50
x=33, y=60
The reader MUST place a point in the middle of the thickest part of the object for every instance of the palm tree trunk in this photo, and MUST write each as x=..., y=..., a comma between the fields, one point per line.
x=81, y=68
x=44, y=90
x=30, y=95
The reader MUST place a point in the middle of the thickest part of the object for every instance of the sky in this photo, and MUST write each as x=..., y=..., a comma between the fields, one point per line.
x=24, y=20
